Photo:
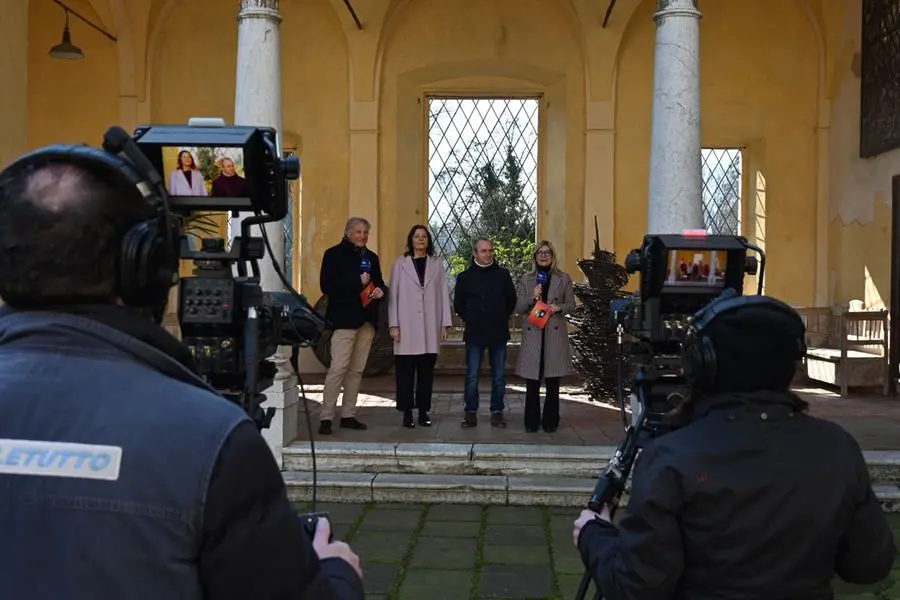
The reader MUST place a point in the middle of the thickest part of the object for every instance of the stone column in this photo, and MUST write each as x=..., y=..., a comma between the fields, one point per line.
x=14, y=77
x=675, y=198
x=257, y=102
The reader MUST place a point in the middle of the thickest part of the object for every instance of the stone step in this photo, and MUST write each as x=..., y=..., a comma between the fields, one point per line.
x=467, y=489
x=502, y=460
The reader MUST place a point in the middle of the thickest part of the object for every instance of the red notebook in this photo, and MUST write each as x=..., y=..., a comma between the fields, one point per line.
x=540, y=314
x=366, y=294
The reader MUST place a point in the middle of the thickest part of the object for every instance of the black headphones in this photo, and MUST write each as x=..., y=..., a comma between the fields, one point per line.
x=698, y=353
x=147, y=265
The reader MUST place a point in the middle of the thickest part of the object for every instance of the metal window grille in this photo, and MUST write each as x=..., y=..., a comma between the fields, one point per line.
x=722, y=179
x=482, y=178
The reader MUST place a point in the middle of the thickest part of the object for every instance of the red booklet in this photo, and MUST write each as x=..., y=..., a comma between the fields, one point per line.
x=366, y=294
x=540, y=314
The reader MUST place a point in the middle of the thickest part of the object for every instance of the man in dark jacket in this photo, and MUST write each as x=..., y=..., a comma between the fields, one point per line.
x=122, y=475
x=752, y=498
x=351, y=278
x=485, y=298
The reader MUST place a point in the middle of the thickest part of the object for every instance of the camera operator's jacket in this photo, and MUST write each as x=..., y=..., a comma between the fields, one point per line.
x=752, y=499
x=123, y=476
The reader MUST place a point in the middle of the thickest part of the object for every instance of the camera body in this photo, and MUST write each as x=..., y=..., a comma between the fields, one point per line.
x=679, y=275
x=231, y=325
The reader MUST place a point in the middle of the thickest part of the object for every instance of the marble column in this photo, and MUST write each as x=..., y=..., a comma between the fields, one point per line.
x=257, y=102
x=14, y=77
x=675, y=198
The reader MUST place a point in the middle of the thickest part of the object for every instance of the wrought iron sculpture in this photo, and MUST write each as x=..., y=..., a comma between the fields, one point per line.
x=594, y=344
x=381, y=354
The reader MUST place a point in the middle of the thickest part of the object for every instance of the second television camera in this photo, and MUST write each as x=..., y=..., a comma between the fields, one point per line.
x=679, y=275
x=227, y=321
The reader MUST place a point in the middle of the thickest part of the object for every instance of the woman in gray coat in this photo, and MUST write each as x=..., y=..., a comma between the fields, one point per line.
x=545, y=353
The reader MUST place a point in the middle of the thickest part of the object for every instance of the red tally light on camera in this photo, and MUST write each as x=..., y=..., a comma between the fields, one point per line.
x=696, y=233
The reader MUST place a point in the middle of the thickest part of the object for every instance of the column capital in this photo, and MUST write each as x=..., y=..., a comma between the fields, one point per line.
x=676, y=8
x=260, y=9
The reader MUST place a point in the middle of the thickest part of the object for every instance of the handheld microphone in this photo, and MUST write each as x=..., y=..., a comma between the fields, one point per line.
x=365, y=265
x=542, y=277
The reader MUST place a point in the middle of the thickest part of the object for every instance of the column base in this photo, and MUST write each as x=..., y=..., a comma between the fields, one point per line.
x=283, y=396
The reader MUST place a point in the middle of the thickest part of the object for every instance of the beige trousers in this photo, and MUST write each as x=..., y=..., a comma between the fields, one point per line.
x=349, y=353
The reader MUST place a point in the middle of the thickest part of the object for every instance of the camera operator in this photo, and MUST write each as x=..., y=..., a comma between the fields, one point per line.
x=122, y=474
x=751, y=497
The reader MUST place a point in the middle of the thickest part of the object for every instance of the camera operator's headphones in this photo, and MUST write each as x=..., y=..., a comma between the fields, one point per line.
x=148, y=260
x=698, y=353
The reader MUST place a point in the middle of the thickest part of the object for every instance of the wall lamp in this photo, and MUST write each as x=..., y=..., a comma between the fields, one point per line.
x=66, y=50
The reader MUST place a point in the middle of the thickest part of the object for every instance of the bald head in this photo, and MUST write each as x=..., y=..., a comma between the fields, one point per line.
x=61, y=226
x=57, y=189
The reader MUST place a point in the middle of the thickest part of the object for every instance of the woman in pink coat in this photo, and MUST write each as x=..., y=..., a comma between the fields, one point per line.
x=419, y=318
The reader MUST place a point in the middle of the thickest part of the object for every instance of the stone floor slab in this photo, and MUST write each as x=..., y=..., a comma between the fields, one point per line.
x=515, y=515
x=421, y=584
x=516, y=555
x=385, y=519
x=379, y=578
x=380, y=546
x=445, y=553
x=455, y=512
x=451, y=529
x=515, y=535
x=515, y=581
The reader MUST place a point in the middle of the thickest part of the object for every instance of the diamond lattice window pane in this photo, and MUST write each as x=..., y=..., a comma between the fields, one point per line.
x=721, y=173
x=482, y=178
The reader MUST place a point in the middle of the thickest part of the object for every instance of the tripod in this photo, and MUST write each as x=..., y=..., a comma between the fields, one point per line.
x=611, y=483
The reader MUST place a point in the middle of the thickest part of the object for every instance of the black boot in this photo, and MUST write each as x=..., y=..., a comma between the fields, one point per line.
x=408, y=419
x=424, y=419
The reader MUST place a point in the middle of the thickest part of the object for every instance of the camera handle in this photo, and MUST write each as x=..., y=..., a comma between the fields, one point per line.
x=611, y=483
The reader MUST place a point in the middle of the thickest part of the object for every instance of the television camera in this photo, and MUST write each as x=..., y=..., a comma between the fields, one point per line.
x=231, y=325
x=679, y=275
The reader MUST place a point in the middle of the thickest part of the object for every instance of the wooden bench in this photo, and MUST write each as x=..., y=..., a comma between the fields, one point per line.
x=846, y=348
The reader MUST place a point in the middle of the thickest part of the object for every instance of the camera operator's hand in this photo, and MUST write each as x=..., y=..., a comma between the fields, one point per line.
x=586, y=517
x=365, y=278
x=395, y=334
x=325, y=549
x=538, y=290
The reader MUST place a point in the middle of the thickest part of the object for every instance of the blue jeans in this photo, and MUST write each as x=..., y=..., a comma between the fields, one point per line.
x=497, y=359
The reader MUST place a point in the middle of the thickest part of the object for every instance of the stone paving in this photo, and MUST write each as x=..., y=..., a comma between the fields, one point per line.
x=467, y=552
x=874, y=420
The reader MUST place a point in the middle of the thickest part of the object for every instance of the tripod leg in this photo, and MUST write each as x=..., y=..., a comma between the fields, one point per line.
x=581, y=594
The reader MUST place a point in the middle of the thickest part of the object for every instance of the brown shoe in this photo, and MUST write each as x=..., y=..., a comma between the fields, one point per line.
x=497, y=420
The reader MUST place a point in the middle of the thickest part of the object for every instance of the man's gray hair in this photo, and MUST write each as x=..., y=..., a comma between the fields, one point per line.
x=352, y=221
x=479, y=240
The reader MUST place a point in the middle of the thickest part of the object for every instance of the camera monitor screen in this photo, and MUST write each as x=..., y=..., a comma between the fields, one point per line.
x=689, y=267
x=210, y=171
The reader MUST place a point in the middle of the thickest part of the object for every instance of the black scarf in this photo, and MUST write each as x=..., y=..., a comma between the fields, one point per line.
x=129, y=321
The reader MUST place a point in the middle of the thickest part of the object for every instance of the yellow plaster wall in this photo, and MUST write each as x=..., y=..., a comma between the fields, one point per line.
x=194, y=75
x=502, y=47
x=352, y=106
x=69, y=101
x=758, y=91
x=860, y=208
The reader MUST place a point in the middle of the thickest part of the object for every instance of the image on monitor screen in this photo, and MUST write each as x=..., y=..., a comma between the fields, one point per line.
x=205, y=171
x=696, y=268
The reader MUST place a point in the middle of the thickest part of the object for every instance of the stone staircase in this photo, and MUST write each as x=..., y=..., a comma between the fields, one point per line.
x=474, y=473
